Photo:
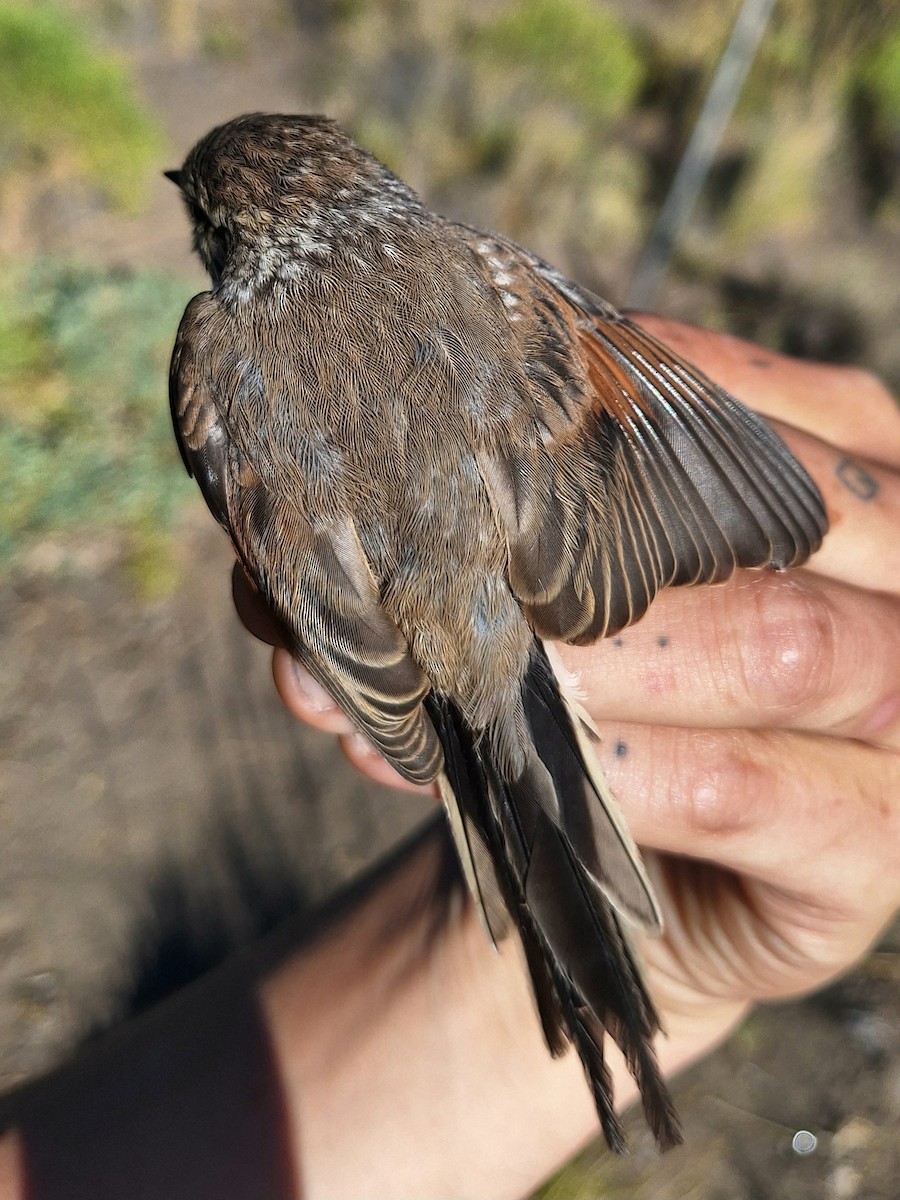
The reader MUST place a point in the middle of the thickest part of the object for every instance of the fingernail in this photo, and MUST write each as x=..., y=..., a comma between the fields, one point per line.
x=314, y=695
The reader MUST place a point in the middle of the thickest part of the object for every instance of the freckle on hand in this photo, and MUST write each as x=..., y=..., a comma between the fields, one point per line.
x=660, y=682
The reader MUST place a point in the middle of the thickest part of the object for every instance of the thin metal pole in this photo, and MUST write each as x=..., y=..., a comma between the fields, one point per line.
x=701, y=150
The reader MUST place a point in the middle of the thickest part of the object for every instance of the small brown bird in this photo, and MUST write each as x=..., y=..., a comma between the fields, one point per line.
x=432, y=451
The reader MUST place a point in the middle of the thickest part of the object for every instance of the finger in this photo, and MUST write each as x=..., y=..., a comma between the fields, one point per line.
x=761, y=651
x=305, y=698
x=862, y=545
x=809, y=816
x=843, y=405
x=360, y=753
x=253, y=610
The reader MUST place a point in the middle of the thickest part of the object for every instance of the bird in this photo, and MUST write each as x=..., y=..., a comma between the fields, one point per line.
x=434, y=455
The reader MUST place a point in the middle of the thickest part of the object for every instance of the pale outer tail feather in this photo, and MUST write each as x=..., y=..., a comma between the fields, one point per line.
x=477, y=866
x=625, y=883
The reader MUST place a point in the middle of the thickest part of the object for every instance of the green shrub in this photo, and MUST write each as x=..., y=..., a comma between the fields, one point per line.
x=879, y=74
x=61, y=99
x=573, y=51
x=85, y=436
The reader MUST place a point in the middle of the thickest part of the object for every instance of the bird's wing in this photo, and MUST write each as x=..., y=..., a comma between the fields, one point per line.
x=314, y=575
x=634, y=472
x=200, y=431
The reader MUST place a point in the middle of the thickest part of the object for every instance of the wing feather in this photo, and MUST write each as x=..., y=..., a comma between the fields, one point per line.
x=314, y=574
x=635, y=471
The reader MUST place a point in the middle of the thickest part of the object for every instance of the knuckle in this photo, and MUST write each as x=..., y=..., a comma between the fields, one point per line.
x=721, y=784
x=868, y=390
x=787, y=649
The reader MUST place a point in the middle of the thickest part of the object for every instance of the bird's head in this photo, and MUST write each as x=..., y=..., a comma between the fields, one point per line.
x=270, y=193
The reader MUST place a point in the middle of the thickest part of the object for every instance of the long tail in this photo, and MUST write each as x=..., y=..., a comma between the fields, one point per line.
x=550, y=849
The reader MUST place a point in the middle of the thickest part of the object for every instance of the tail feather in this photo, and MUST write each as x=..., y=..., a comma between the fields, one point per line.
x=587, y=1035
x=477, y=864
x=470, y=808
x=590, y=814
x=543, y=853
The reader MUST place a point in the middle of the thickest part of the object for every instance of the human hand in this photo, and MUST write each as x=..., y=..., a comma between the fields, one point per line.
x=751, y=731
x=758, y=724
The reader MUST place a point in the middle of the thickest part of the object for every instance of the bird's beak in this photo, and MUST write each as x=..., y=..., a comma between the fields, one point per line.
x=175, y=176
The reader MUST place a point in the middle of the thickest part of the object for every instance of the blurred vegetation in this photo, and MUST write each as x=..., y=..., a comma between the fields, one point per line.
x=85, y=436
x=69, y=108
x=562, y=121
x=879, y=74
x=85, y=440
x=567, y=50
x=873, y=110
